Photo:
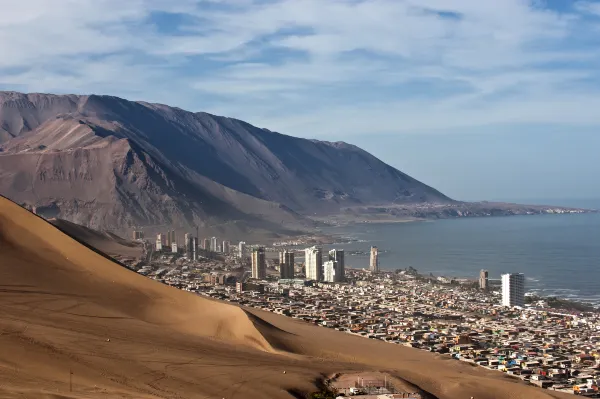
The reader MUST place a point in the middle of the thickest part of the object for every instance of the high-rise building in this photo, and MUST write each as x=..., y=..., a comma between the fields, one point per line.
x=225, y=247
x=338, y=256
x=186, y=241
x=173, y=238
x=174, y=247
x=286, y=264
x=213, y=244
x=483, y=280
x=329, y=271
x=206, y=244
x=138, y=235
x=313, y=262
x=242, y=249
x=159, y=242
x=513, y=289
x=259, y=264
x=374, y=260
x=191, y=247
x=167, y=241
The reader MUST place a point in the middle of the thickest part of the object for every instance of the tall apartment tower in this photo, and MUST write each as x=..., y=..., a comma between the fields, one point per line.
x=259, y=264
x=242, y=249
x=174, y=247
x=168, y=239
x=206, y=244
x=286, y=264
x=513, y=289
x=329, y=271
x=191, y=243
x=340, y=270
x=186, y=241
x=173, y=239
x=159, y=242
x=313, y=260
x=213, y=244
x=483, y=280
x=374, y=260
x=225, y=247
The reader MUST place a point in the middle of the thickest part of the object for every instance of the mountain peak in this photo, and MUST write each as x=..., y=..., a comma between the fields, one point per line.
x=187, y=166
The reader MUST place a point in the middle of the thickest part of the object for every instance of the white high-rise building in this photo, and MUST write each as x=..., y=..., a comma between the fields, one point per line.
x=313, y=261
x=174, y=247
x=329, y=271
x=513, y=289
x=374, y=261
x=213, y=244
x=242, y=249
x=159, y=242
x=225, y=247
x=340, y=270
x=259, y=263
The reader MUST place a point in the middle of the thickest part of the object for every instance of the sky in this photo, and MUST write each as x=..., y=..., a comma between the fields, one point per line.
x=495, y=99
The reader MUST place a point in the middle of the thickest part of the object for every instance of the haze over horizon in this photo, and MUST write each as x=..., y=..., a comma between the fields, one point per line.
x=478, y=101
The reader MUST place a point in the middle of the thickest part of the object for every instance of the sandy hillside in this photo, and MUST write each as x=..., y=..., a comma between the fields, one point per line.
x=104, y=241
x=64, y=308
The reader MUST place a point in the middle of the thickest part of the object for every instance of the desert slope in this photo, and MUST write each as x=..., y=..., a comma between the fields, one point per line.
x=64, y=308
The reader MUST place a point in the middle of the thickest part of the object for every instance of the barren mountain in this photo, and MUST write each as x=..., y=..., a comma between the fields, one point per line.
x=105, y=162
x=74, y=324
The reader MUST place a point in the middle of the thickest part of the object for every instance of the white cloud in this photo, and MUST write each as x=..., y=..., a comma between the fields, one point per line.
x=315, y=67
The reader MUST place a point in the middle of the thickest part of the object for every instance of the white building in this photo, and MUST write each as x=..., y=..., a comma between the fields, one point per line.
x=313, y=261
x=174, y=247
x=259, y=264
x=329, y=271
x=213, y=244
x=242, y=249
x=513, y=289
x=159, y=242
x=374, y=260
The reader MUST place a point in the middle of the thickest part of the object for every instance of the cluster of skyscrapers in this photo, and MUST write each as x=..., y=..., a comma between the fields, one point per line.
x=332, y=270
x=168, y=242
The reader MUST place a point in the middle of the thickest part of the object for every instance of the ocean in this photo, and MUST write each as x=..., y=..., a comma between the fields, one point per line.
x=559, y=254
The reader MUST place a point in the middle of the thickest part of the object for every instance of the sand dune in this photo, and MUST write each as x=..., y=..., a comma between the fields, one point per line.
x=65, y=308
x=104, y=241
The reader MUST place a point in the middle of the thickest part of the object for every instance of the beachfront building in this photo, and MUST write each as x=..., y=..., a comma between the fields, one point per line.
x=374, y=260
x=483, y=280
x=337, y=255
x=286, y=265
x=513, y=289
x=259, y=264
x=313, y=261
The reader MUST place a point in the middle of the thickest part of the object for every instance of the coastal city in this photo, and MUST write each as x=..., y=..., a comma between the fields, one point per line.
x=488, y=323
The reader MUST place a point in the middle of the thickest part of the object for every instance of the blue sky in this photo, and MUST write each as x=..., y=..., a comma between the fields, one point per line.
x=481, y=99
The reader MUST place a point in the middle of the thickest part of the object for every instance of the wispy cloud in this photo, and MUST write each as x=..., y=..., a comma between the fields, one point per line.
x=318, y=68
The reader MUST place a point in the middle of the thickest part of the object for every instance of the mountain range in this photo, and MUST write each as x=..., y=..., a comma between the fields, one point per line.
x=106, y=162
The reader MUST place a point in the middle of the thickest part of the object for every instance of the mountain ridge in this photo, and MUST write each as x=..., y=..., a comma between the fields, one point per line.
x=214, y=169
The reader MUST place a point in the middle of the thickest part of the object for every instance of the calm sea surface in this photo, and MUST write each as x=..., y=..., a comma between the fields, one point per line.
x=559, y=254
